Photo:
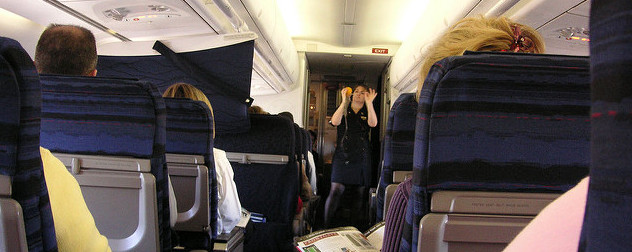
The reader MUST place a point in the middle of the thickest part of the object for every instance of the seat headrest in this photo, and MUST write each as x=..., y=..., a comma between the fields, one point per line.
x=100, y=116
x=269, y=134
x=9, y=119
x=189, y=127
x=506, y=121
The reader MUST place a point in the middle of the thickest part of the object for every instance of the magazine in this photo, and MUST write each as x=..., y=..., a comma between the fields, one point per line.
x=347, y=239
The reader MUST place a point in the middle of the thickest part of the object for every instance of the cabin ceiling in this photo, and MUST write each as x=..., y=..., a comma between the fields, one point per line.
x=325, y=29
x=347, y=25
x=351, y=28
x=350, y=23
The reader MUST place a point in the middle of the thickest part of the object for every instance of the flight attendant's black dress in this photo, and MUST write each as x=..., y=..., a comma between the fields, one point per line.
x=352, y=158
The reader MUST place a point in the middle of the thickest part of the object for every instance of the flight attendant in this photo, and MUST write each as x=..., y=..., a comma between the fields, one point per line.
x=352, y=158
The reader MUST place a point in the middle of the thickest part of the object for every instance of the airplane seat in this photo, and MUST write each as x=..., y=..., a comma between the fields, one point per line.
x=394, y=219
x=398, y=148
x=498, y=136
x=12, y=234
x=301, y=158
x=266, y=176
x=111, y=135
x=307, y=146
x=26, y=217
x=607, y=224
x=192, y=171
x=310, y=171
x=298, y=144
x=301, y=155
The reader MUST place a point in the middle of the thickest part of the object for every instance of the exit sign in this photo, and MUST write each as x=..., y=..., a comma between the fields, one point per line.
x=380, y=50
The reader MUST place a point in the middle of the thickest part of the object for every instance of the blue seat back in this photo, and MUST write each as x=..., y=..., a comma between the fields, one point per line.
x=190, y=131
x=110, y=117
x=607, y=225
x=299, y=142
x=398, y=144
x=20, y=156
x=267, y=189
x=499, y=122
x=307, y=146
x=299, y=149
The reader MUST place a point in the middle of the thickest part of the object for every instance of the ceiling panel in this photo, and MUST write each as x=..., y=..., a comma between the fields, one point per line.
x=375, y=22
x=557, y=44
x=582, y=9
x=144, y=19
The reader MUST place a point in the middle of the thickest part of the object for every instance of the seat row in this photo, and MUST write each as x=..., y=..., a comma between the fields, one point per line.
x=121, y=141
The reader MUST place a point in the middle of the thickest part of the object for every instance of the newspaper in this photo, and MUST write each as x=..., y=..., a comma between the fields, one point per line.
x=346, y=239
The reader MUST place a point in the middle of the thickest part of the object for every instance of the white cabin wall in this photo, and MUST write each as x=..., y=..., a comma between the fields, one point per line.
x=21, y=29
x=292, y=101
x=436, y=18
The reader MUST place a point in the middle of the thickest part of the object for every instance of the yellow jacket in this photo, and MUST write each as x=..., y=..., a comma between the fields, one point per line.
x=74, y=226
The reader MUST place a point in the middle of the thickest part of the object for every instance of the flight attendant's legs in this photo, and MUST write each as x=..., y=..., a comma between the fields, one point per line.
x=331, y=205
x=359, y=206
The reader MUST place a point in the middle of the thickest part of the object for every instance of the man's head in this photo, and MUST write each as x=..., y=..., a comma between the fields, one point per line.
x=67, y=50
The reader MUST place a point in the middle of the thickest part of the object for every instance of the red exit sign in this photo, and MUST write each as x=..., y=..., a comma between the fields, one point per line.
x=380, y=50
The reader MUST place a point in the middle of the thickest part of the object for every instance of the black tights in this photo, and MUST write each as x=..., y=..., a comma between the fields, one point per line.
x=335, y=194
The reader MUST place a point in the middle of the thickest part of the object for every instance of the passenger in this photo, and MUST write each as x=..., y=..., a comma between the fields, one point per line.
x=469, y=34
x=352, y=157
x=66, y=50
x=257, y=110
x=558, y=226
x=229, y=206
x=481, y=34
x=70, y=50
x=315, y=161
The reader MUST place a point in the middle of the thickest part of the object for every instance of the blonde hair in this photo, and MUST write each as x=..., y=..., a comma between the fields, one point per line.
x=185, y=90
x=478, y=34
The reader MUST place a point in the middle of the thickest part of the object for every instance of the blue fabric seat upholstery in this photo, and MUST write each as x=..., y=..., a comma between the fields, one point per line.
x=499, y=122
x=190, y=131
x=398, y=144
x=111, y=117
x=267, y=189
x=301, y=156
x=607, y=225
x=19, y=140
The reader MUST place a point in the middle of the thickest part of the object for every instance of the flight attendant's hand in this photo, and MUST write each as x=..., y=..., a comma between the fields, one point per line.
x=346, y=93
x=370, y=96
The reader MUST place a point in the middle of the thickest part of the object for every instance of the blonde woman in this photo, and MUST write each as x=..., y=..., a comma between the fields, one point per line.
x=482, y=34
x=229, y=207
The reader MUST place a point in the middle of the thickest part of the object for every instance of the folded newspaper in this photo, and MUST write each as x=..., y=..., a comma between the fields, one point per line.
x=345, y=239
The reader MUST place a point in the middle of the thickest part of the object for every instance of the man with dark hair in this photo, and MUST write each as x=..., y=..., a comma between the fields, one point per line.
x=67, y=50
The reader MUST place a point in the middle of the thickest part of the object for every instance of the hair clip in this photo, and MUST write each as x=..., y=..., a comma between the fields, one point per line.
x=520, y=43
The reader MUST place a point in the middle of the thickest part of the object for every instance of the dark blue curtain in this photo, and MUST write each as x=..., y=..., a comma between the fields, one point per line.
x=223, y=74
